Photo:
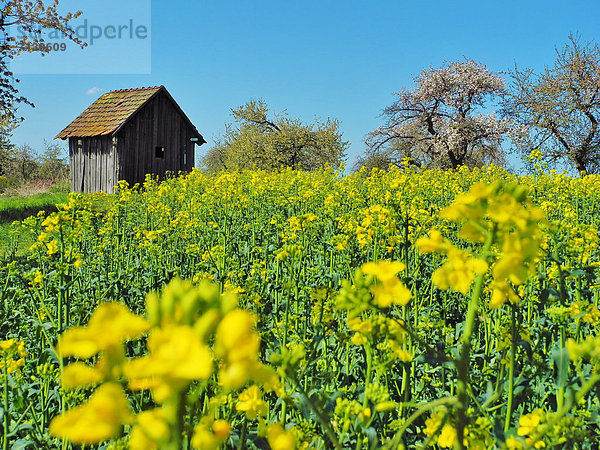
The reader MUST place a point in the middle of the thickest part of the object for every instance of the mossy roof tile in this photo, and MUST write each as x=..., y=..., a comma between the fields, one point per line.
x=109, y=112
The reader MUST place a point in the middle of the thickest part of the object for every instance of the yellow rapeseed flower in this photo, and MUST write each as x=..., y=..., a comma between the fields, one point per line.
x=150, y=430
x=177, y=357
x=37, y=279
x=97, y=420
x=11, y=349
x=208, y=435
x=385, y=271
x=391, y=292
x=238, y=345
x=79, y=374
x=362, y=326
x=358, y=339
x=110, y=325
x=234, y=337
x=433, y=243
x=221, y=429
x=513, y=443
x=537, y=444
x=458, y=271
x=7, y=345
x=52, y=247
x=400, y=352
x=501, y=291
x=447, y=436
x=529, y=423
x=279, y=439
x=433, y=424
x=250, y=401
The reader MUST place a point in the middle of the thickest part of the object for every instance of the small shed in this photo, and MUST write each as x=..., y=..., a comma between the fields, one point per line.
x=127, y=134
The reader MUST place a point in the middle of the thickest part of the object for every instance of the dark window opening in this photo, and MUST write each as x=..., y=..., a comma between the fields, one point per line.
x=159, y=152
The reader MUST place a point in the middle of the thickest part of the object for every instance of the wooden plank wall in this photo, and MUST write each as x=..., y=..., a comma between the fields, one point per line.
x=157, y=124
x=93, y=164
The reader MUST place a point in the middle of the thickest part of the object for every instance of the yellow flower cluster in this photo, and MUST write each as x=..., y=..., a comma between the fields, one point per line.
x=377, y=287
x=589, y=349
x=12, y=356
x=180, y=321
x=250, y=401
x=501, y=217
x=176, y=358
x=97, y=420
x=298, y=224
x=528, y=425
x=440, y=430
x=436, y=427
x=390, y=289
x=279, y=438
x=459, y=268
x=238, y=346
x=210, y=433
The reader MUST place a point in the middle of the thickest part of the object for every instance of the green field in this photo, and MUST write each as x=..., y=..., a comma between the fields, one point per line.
x=13, y=208
x=399, y=309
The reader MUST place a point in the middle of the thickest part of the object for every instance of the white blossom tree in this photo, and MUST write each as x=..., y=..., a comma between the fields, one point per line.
x=441, y=122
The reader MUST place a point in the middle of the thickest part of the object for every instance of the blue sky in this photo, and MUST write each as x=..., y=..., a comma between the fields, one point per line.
x=315, y=59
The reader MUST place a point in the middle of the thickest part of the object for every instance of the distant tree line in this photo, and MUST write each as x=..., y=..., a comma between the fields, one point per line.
x=21, y=165
x=445, y=120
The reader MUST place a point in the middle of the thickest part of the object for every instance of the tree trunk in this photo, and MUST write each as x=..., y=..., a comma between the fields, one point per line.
x=457, y=158
x=580, y=162
x=453, y=160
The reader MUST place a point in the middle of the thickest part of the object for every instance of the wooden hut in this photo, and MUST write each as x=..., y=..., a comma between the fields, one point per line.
x=127, y=134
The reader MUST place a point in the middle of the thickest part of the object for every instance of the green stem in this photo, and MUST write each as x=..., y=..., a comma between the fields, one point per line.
x=283, y=411
x=511, y=369
x=285, y=336
x=60, y=311
x=560, y=395
x=175, y=406
x=243, y=435
x=462, y=364
x=62, y=283
x=369, y=358
x=323, y=419
x=43, y=404
x=6, y=412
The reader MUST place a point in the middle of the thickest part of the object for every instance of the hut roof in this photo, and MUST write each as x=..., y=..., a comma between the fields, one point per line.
x=112, y=110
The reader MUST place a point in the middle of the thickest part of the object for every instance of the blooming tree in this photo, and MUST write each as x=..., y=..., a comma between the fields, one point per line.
x=441, y=121
x=30, y=16
x=558, y=111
